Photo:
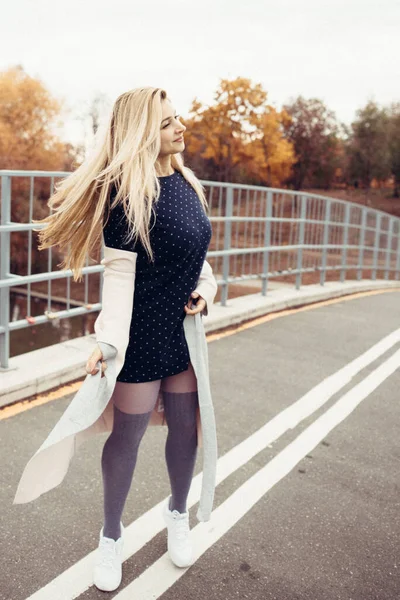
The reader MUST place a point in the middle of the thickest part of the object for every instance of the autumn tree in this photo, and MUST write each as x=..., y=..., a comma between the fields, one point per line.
x=271, y=156
x=239, y=137
x=315, y=134
x=28, y=114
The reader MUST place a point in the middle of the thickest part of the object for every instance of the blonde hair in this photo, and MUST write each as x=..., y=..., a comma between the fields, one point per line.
x=125, y=158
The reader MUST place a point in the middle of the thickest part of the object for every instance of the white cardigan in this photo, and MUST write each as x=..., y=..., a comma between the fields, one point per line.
x=91, y=412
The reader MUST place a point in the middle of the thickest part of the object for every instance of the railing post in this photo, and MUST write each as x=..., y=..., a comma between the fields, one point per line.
x=267, y=243
x=325, y=241
x=376, y=246
x=303, y=214
x=345, y=241
x=388, y=249
x=227, y=244
x=397, y=271
x=362, y=243
x=4, y=271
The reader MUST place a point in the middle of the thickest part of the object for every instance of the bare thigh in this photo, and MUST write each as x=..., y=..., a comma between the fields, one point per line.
x=136, y=398
x=180, y=383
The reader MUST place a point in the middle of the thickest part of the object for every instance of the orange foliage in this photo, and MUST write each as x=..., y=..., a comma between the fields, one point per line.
x=27, y=115
x=239, y=137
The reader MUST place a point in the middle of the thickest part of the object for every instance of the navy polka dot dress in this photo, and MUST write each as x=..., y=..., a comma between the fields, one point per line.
x=180, y=235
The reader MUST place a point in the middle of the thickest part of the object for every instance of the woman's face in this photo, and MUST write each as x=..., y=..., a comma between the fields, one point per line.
x=171, y=133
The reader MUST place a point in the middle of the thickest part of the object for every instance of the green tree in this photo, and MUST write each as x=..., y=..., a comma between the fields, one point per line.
x=368, y=147
x=394, y=144
x=315, y=134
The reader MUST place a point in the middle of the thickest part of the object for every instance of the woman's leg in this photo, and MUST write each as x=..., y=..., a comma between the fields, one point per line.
x=132, y=404
x=180, y=405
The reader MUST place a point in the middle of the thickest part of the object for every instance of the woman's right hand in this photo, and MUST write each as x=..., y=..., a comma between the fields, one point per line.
x=93, y=359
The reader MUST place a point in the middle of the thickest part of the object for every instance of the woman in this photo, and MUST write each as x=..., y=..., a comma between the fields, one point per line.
x=150, y=209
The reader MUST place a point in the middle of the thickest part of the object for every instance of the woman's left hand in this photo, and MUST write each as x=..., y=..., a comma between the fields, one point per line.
x=196, y=304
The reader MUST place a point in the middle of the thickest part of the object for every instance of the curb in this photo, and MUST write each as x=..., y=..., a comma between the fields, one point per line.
x=43, y=370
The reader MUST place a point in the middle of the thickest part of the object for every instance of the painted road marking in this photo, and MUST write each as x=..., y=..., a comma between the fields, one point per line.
x=71, y=388
x=78, y=578
x=255, y=321
x=162, y=574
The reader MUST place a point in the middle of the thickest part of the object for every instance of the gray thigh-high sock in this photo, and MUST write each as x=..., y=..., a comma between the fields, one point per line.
x=120, y=450
x=181, y=445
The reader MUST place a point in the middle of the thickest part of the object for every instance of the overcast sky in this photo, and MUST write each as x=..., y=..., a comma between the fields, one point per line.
x=343, y=51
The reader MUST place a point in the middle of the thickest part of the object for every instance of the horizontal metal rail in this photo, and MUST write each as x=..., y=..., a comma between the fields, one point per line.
x=259, y=234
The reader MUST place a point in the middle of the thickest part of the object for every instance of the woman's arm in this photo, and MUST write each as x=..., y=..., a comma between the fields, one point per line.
x=113, y=322
x=112, y=325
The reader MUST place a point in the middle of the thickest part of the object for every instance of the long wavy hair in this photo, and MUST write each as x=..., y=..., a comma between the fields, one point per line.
x=124, y=158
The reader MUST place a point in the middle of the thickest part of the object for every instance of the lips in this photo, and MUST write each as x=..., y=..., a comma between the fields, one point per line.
x=179, y=139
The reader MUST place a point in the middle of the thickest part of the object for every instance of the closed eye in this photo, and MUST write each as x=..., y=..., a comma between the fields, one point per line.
x=176, y=117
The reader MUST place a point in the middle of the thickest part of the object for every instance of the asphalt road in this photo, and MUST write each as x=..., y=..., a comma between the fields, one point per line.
x=315, y=517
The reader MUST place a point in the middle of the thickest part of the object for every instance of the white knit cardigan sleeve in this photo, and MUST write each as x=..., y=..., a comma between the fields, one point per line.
x=207, y=286
x=112, y=325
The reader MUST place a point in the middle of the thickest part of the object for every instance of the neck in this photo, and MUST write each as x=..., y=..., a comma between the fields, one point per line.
x=164, y=167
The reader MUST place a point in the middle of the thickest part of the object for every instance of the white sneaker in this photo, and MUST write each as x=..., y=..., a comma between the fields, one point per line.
x=107, y=571
x=180, y=548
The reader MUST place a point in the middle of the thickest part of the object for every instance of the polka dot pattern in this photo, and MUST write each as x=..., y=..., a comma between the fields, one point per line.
x=180, y=235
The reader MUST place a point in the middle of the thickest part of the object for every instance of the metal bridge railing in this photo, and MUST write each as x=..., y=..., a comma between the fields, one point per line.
x=258, y=233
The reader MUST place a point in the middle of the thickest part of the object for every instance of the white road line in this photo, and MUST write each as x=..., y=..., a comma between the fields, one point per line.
x=162, y=574
x=78, y=578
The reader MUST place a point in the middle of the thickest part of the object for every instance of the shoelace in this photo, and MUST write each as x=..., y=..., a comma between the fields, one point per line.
x=181, y=526
x=107, y=553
